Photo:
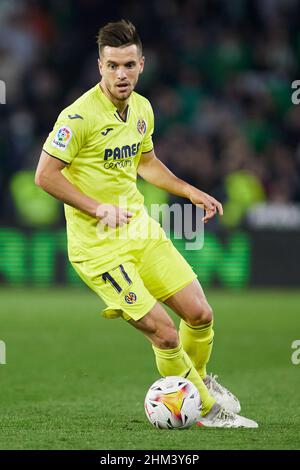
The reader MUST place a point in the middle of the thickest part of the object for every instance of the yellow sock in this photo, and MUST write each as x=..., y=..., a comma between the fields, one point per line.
x=177, y=362
x=197, y=341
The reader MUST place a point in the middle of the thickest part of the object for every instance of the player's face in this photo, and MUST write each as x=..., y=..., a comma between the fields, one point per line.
x=120, y=68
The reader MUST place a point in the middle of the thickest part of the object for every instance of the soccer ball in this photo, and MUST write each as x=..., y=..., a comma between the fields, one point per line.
x=172, y=403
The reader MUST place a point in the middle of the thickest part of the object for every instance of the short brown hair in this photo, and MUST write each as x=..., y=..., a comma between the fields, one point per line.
x=118, y=34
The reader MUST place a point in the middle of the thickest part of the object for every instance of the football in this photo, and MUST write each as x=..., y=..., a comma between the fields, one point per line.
x=172, y=403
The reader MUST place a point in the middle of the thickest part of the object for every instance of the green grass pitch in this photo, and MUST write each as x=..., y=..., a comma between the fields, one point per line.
x=76, y=381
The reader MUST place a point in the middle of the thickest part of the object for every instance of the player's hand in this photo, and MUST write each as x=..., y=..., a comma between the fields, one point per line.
x=207, y=202
x=113, y=216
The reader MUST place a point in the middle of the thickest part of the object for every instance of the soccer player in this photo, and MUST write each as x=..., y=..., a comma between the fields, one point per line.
x=90, y=161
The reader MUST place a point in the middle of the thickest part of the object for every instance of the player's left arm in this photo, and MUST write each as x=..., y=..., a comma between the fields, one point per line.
x=151, y=169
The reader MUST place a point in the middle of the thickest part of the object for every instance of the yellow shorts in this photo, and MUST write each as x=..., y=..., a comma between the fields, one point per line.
x=154, y=271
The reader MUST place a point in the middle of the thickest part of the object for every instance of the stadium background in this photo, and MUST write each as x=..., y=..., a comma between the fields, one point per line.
x=219, y=75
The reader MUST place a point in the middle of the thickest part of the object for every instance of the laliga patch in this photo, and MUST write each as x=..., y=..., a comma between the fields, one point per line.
x=130, y=298
x=62, y=138
x=141, y=126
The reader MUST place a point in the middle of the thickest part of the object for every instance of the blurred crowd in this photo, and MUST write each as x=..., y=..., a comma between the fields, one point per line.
x=218, y=74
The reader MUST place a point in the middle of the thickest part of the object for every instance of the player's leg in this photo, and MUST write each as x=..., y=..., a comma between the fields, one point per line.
x=171, y=359
x=196, y=325
x=196, y=335
x=169, y=278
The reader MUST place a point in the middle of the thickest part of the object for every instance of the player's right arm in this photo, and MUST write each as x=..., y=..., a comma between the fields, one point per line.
x=49, y=177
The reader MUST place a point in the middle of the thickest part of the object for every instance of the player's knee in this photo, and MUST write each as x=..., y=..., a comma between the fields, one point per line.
x=200, y=314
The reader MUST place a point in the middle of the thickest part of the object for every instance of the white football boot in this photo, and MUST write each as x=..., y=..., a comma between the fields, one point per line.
x=220, y=418
x=222, y=396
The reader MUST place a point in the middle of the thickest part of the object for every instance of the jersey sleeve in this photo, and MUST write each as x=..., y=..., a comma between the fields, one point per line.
x=67, y=136
x=147, y=144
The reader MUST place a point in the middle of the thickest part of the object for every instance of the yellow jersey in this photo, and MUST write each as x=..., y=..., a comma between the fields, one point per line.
x=102, y=152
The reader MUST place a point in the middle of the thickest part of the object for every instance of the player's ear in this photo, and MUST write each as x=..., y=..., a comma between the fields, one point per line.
x=142, y=63
x=100, y=65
